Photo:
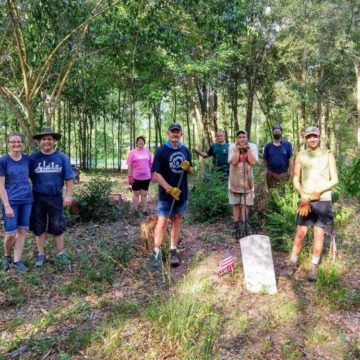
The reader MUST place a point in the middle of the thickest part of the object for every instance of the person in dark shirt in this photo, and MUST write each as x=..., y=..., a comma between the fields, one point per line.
x=16, y=196
x=278, y=158
x=171, y=163
x=50, y=170
x=219, y=152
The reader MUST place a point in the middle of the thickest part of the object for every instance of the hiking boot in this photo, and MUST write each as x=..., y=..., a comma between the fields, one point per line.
x=20, y=266
x=238, y=230
x=292, y=269
x=40, y=260
x=312, y=276
x=155, y=263
x=174, y=258
x=6, y=262
x=248, y=229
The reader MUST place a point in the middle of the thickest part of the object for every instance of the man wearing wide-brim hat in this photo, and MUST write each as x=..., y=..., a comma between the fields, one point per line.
x=315, y=174
x=50, y=170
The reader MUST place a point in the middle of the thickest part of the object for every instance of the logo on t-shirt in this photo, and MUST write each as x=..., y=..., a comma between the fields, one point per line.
x=48, y=168
x=175, y=161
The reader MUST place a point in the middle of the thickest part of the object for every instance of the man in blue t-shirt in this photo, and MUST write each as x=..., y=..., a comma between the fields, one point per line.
x=50, y=170
x=219, y=152
x=171, y=164
x=278, y=158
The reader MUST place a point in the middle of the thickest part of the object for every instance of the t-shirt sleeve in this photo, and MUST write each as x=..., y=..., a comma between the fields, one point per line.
x=68, y=173
x=211, y=151
x=156, y=165
x=2, y=167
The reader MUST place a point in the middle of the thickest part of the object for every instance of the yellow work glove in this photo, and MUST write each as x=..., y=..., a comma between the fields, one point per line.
x=174, y=192
x=185, y=165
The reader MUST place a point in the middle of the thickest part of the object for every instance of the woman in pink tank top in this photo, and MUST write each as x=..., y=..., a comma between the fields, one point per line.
x=139, y=174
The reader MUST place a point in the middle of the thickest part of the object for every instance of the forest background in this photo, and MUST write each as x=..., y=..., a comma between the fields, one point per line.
x=104, y=72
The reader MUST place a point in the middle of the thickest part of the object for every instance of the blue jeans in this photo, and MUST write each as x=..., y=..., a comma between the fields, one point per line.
x=21, y=219
x=163, y=208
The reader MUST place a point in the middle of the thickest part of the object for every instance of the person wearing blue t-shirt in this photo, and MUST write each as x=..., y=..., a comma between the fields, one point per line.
x=278, y=158
x=16, y=196
x=50, y=170
x=171, y=163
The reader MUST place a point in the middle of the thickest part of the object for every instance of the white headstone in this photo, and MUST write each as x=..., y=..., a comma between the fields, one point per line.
x=258, y=264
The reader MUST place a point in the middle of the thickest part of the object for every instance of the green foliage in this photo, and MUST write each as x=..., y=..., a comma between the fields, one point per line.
x=350, y=177
x=208, y=198
x=93, y=202
x=280, y=219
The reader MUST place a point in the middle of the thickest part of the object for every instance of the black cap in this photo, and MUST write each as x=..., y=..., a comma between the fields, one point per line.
x=174, y=126
x=277, y=127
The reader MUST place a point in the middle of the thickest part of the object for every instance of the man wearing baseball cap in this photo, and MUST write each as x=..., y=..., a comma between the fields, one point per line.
x=243, y=156
x=172, y=162
x=315, y=174
x=278, y=158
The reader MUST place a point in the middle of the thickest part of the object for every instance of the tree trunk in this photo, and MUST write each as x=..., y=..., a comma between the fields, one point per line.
x=357, y=73
x=249, y=105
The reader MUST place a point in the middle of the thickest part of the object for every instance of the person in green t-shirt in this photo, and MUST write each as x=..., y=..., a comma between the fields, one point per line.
x=219, y=152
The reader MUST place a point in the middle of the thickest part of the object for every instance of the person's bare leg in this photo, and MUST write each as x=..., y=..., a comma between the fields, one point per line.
x=318, y=241
x=9, y=241
x=244, y=212
x=135, y=199
x=143, y=201
x=299, y=238
x=175, y=230
x=59, y=243
x=236, y=212
x=160, y=231
x=19, y=244
x=40, y=242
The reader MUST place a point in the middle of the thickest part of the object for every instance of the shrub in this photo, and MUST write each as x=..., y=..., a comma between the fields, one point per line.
x=350, y=177
x=281, y=216
x=208, y=198
x=92, y=202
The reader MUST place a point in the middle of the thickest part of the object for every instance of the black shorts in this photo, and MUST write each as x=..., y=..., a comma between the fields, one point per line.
x=321, y=215
x=47, y=215
x=141, y=185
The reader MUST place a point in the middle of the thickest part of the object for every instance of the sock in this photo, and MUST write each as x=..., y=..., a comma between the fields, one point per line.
x=60, y=253
x=173, y=247
x=315, y=260
x=156, y=251
x=294, y=259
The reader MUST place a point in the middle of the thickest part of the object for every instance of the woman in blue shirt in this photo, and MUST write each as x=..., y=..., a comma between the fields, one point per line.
x=16, y=196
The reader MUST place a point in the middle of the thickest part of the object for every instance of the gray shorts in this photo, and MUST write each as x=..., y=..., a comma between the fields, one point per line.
x=321, y=215
x=241, y=198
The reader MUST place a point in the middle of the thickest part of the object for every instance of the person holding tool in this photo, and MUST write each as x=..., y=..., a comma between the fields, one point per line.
x=243, y=156
x=170, y=167
x=219, y=152
x=315, y=174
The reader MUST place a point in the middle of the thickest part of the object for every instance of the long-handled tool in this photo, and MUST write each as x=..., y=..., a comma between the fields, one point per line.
x=173, y=202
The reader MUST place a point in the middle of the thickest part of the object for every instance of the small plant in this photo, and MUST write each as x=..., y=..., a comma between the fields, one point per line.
x=208, y=198
x=92, y=202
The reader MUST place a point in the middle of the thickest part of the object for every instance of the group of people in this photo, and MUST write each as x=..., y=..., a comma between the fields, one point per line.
x=314, y=175
x=31, y=191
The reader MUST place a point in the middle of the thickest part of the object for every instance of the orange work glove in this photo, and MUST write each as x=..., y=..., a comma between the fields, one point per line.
x=185, y=165
x=304, y=208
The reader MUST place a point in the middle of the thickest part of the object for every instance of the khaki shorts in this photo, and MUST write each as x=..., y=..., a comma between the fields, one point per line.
x=239, y=198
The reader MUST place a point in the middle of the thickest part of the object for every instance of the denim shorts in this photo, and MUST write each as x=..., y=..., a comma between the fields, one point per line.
x=163, y=208
x=47, y=215
x=20, y=220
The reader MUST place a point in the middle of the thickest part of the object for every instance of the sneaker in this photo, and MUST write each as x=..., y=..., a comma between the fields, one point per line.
x=62, y=259
x=312, y=276
x=20, y=266
x=6, y=262
x=292, y=269
x=174, y=258
x=40, y=260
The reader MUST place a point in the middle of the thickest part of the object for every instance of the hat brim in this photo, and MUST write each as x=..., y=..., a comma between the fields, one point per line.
x=312, y=133
x=56, y=136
